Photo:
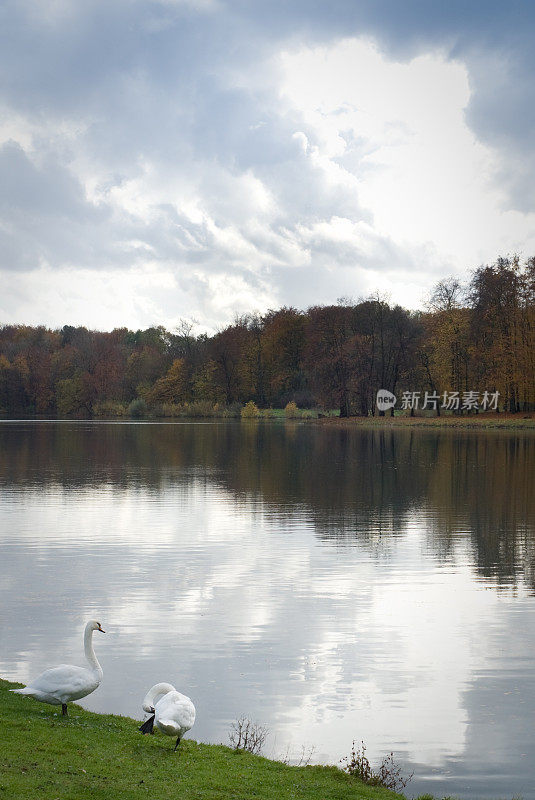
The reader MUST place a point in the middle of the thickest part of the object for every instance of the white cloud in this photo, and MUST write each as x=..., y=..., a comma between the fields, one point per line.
x=236, y=177
x=399, y=130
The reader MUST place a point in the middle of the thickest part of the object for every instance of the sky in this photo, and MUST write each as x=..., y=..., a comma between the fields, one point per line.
x=196, y=159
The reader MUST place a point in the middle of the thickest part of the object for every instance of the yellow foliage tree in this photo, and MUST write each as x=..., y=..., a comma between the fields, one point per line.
x=250, y=410
x=173, y=387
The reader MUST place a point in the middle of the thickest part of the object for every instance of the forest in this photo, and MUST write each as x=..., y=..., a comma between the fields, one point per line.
x=478, y=337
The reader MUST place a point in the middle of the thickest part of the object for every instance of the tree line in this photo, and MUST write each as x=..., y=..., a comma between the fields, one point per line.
x=478, y=337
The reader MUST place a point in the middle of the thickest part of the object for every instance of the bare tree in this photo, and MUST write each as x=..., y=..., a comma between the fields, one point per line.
x=446, y=295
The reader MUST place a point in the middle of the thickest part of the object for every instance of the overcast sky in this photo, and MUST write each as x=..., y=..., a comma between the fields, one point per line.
x=167, y=159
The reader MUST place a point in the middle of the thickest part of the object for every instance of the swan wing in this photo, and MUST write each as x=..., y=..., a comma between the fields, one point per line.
x=180, y=708
x=66, y=682
x=57, y=677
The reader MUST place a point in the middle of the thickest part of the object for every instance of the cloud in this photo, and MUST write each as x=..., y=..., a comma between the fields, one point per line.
x=223, y=148
x=400, y=130
x=46, y=218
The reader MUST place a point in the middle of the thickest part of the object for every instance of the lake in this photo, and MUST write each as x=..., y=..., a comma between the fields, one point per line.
x=331, y=584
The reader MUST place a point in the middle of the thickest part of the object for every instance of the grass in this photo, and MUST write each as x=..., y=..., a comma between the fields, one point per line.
x=91, y=756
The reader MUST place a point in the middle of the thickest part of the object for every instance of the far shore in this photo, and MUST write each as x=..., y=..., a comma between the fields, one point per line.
x=491, y=420
x=522, y=421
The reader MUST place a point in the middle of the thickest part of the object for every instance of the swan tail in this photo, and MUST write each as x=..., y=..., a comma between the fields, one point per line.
x=147, y=726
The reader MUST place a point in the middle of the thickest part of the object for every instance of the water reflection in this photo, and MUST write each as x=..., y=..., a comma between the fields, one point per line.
x=332, y=584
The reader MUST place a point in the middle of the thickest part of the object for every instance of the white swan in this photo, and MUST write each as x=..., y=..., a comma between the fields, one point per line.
x=173, y=714
x=62, y=684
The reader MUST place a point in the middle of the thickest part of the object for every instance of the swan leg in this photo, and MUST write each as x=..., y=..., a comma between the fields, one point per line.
x=64, y=710
x=177, y=743
x=147, y=726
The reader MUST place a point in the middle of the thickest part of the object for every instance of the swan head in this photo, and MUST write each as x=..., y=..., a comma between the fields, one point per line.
x=93, y=625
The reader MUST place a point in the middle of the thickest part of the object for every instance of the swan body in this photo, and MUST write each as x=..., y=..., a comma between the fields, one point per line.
x=60, y=685
x=173, y=714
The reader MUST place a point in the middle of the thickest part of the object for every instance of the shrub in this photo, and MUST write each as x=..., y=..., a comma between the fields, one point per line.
x=199, y=408
x=291, y=411
x=269, y=413
x=247, y=735
x=137, y=408
x=168, y=410
x=304, y=758
x=388, y=775
x=110, y=409
x=250, y=410
x=233, y=410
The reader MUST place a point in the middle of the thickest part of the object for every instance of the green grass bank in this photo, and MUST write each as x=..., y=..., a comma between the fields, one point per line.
x=91, y=756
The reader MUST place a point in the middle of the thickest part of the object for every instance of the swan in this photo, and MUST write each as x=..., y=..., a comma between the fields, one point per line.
x=59, y=685
x=173, y=713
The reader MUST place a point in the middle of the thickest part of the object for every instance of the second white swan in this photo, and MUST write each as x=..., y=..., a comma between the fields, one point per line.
x=173, y=713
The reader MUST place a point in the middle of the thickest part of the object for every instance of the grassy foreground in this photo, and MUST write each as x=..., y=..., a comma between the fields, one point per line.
x=95, y=756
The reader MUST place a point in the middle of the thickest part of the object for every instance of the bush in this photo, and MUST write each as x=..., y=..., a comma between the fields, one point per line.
x=168, y=410
x=110, y=409
x=200, y=408
x=137, y=408
x=247, y=735
x=291, y=411
x=197, y=408
x=250, y=410
x=233, y=410
x=388, y=774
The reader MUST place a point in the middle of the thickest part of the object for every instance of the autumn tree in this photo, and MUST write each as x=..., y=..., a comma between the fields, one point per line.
x=227, y=350
x=331, y=351
x=74, y=397
x=13, y=396
x=284, y=346
x=205, y=385
x=495, y=328
x=173, y=387
x=338, y=355
x=446, y=351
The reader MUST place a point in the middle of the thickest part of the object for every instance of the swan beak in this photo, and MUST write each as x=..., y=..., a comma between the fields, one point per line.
x=101, y=629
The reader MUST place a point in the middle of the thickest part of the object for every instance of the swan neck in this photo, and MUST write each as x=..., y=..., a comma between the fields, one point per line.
x=89, y=651
x=156, y=691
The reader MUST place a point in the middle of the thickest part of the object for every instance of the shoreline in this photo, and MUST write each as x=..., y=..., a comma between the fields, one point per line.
x=99, y=756
x=521, y=421
x=491, y=421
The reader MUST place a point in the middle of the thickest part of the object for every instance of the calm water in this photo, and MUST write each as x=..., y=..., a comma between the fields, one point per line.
x=333, y=585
